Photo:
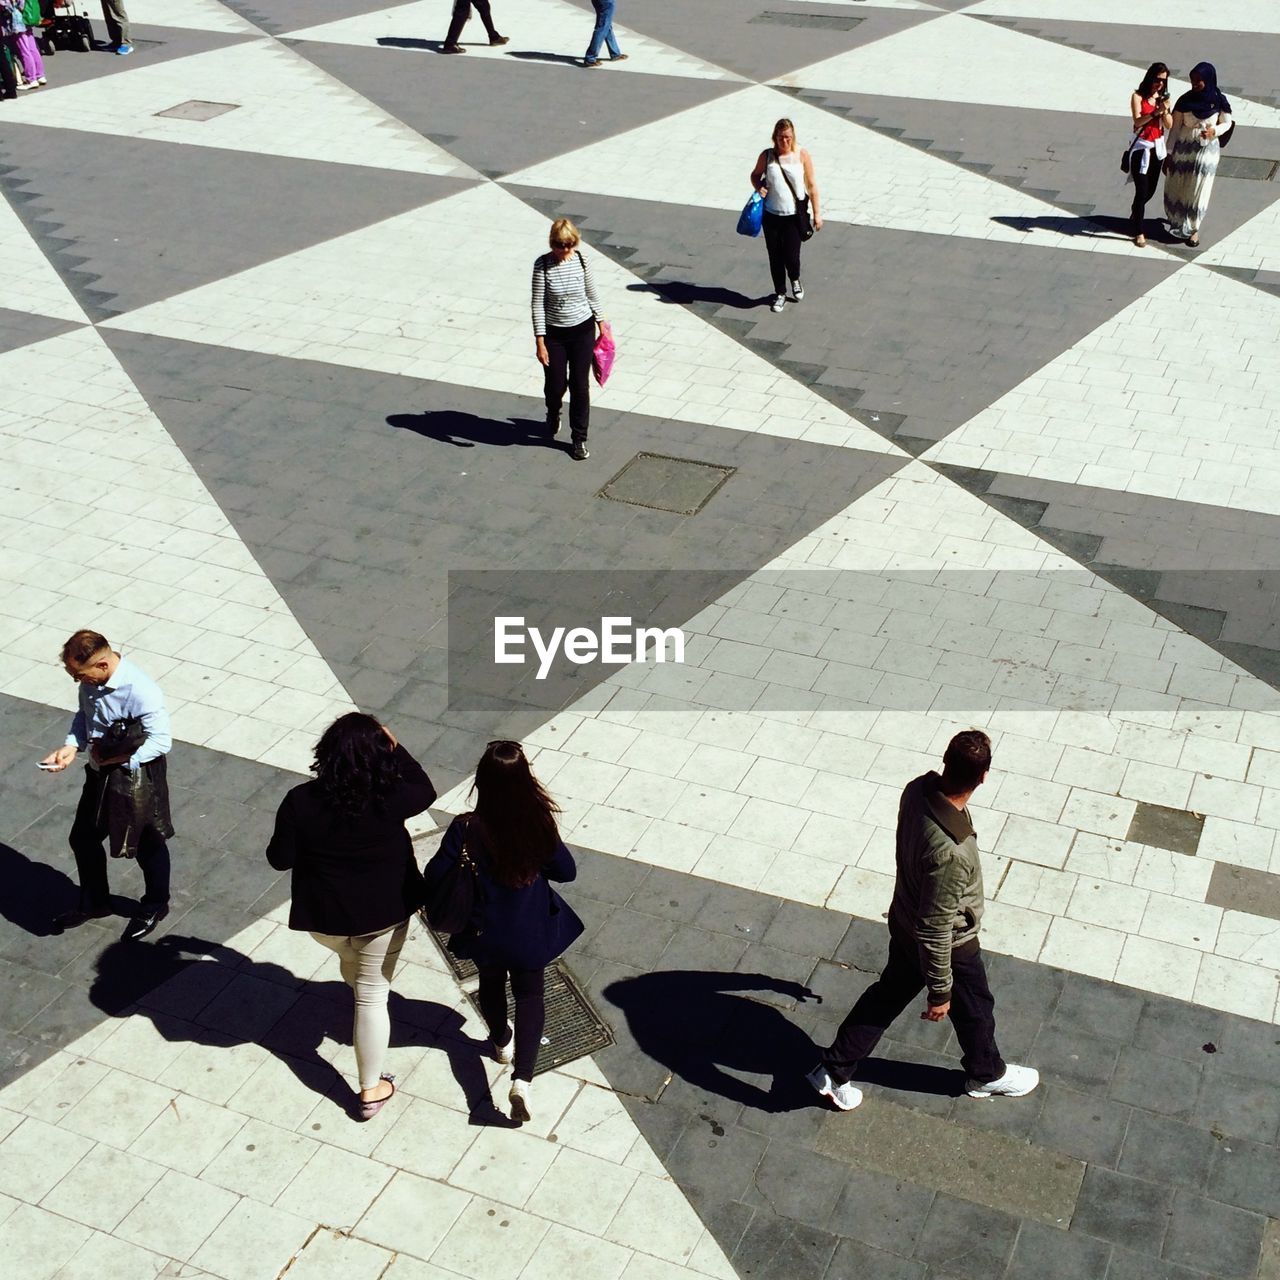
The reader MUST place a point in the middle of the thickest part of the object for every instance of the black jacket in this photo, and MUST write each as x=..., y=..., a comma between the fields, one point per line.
x=351, y=876
x=523, y=928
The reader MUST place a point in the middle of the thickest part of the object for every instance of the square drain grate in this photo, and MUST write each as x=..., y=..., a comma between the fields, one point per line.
x=574, y=1029
x=463, y=970
x=1163, y=828
x=198, y=110
x=662, y=483
x=1247, y=167
x=825, y=21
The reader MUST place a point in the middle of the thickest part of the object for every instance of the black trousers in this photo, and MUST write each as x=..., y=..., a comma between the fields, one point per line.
x=531, y=1012
x=1144, y=187
x=570, y=366
x=86, y=840
x=462, y=11
x=782, y=240
x=972, y=1013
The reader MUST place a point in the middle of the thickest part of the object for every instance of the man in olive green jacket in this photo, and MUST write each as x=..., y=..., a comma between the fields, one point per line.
x=933, y=937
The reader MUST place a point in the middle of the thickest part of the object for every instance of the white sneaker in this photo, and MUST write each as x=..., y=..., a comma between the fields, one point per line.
x=1016, y=1082
x=519, y=1099
x=779, y=301
x=506, y=1054
x=797, y=290
x=845, y=1096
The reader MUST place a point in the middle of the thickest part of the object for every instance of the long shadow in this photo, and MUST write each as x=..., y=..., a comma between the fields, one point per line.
x=466, y=430
x=533, y=55
x=699, y=1026
x=685, y=292
x=32, y=893
x=171, y=981
x=1100, y=226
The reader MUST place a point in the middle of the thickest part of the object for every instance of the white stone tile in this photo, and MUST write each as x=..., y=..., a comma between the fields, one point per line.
x=254, y=1242
x=656, y=1218
x=738, y=862
x=275, y=1094
x=1014, y=931
x=837, y=840
x=1173, y=873
x=1029, y=840
x=1255, y=939
x=1158, y=966
x=671, y=845
x=36, y=1156
x=1029, y=797
x=862, y=893
x=768, y=822
x=412, y=1215
x=612, y=830
x=1210, y=755
x=1116, y=906
x=800, y=878
x=103, y=1187
x=260, y=1161
x=581, y=1191
x=1237, y=987
x=646, y=793
x=426, y=1139
x=1187, y=924
x=36, y=1243
x=1157, y=784
x=1037, y=888
x=118, y=1109
x=332, y=1255
x=564, y=1252
x=103, y=1257
x=1224, y=798
x=177, y=1216
x=598, y=1124
x=504, y=1162
x=716, y=766
x=336, y=1187
x=490, y=1241
x=1083, y=948
x=706, y=807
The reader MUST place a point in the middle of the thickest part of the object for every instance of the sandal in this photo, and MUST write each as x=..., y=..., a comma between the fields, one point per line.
x=1193, y=242
x=367, y=1110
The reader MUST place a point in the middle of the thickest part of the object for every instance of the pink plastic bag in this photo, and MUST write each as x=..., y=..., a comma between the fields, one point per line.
x=603, y=353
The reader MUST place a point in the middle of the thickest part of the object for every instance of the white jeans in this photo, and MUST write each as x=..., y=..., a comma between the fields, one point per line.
x=368, y=964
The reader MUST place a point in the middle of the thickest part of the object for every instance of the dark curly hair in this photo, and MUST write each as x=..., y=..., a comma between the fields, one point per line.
x=354, y=764
x=514, y=818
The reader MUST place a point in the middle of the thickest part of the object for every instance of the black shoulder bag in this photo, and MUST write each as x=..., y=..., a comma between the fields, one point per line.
x=451, y=904
x=803, y=220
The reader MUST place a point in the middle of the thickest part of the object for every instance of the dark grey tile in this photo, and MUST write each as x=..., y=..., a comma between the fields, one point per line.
x=1244, y=889
x=739, y=913
x=1127, y=1265
x=1123, y=1210
x=965, y=1240
x=630, y=937
x=1165, y=828
x=1237, y=1106
x=806, y=930
x=786, y=974
x=694, y=948
x=773, y=1248
x=606, y=878
x=798, y=1184
x=1246, y=1174
x=711, y=1161
x=1215, y=1238
x=1156, y=1082
x=880, y=1210
x=1098, y=1009
x=1251, y=1049
x=1043, y=1251
x=1178, y=1029
x=855, y=1259
x=1074, y=1059
x=1164, y=1150
x=670, y=895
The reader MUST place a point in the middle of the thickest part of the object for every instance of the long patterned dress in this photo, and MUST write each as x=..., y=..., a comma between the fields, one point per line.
x=1192, y=164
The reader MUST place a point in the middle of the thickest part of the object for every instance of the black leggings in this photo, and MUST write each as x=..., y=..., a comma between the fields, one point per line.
x=462, y=11
x=782, y=239
x=1144, y=187
x=531, y=1013
x=569, y=366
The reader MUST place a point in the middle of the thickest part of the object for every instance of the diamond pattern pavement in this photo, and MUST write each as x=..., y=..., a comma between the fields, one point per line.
x=267, y=385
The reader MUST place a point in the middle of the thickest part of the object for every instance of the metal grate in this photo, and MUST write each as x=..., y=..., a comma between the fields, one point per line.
x=198, y=110
x=463, y=970
x=574, y=1029
x=1247, y=167
x=825, y=21
x=663, y=483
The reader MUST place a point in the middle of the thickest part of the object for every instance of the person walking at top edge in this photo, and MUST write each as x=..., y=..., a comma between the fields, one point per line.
x=566, y=320
x=355, y=880
x=1202, y=126
x=1149, y=109
x=520, y=923
x=603, y=35
x=461, y=15
x=933, y=937
x=784, y=176
x=123, y=723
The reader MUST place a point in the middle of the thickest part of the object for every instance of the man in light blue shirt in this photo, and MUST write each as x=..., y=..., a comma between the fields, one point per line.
x=123, y=723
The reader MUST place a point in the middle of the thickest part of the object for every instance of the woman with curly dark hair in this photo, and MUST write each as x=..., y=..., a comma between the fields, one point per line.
x=521, y=924
x=355, y=880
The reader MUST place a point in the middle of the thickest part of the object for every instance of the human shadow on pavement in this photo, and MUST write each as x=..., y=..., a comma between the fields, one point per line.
x=685, y=292
x=34, y=892
x=702, y=1026
x=1096, y=227
x=534, y=55
x=466, y=430
x=195, y=991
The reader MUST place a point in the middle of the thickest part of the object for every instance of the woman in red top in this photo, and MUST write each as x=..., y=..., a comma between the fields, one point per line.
x=1149, y=107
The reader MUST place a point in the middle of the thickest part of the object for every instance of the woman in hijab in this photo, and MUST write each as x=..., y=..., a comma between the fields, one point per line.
x=1201, y=125
x=1149, y=107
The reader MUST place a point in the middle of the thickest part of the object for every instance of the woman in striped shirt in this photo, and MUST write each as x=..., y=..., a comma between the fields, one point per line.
x=566, y=319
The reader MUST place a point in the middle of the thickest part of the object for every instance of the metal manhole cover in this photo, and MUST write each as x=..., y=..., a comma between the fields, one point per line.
x=198, y=110
x=829, y=21
x=1247, y=167
x=574, y=1029
x=662, y=483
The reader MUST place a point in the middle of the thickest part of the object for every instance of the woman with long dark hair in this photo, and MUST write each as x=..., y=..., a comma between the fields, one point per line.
x=1201, y=126
x=1149, y=107
x=520, y=924
x=356, y=882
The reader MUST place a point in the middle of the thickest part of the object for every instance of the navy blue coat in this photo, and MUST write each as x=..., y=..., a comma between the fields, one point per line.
x=523, y=928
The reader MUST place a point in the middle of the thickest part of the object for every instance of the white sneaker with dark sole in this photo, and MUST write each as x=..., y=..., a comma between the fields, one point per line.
x=779, y=301
x=519, y=1099
x=1016, y=1082
x=845, y=1096
x=506, y=1054
x=797, y=290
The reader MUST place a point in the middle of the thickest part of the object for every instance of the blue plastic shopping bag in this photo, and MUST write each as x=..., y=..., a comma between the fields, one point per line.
x=751, y=220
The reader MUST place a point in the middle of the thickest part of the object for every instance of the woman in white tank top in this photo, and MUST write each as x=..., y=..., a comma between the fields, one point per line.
x=784, y=176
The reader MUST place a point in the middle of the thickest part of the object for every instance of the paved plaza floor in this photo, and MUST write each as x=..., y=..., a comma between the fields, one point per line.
x=270, y=420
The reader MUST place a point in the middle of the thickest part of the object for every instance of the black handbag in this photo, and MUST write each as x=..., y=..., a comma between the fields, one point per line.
x=803, y=221
x=451, y=904
x=1124, y=159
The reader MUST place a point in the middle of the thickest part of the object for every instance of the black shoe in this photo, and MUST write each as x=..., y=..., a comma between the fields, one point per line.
x=74, y=919
x=553, y=422
x=143, y=923
x=452, y=48
x=496, y=40
x=580, y=451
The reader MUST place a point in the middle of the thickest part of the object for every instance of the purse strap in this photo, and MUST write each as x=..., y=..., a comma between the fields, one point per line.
x=786, y=177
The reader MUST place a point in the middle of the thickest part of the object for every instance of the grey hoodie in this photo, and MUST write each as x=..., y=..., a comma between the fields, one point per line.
x=937, y=897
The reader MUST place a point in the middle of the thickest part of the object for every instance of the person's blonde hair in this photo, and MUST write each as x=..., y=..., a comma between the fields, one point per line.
x=563, y=230
x=784, y=123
